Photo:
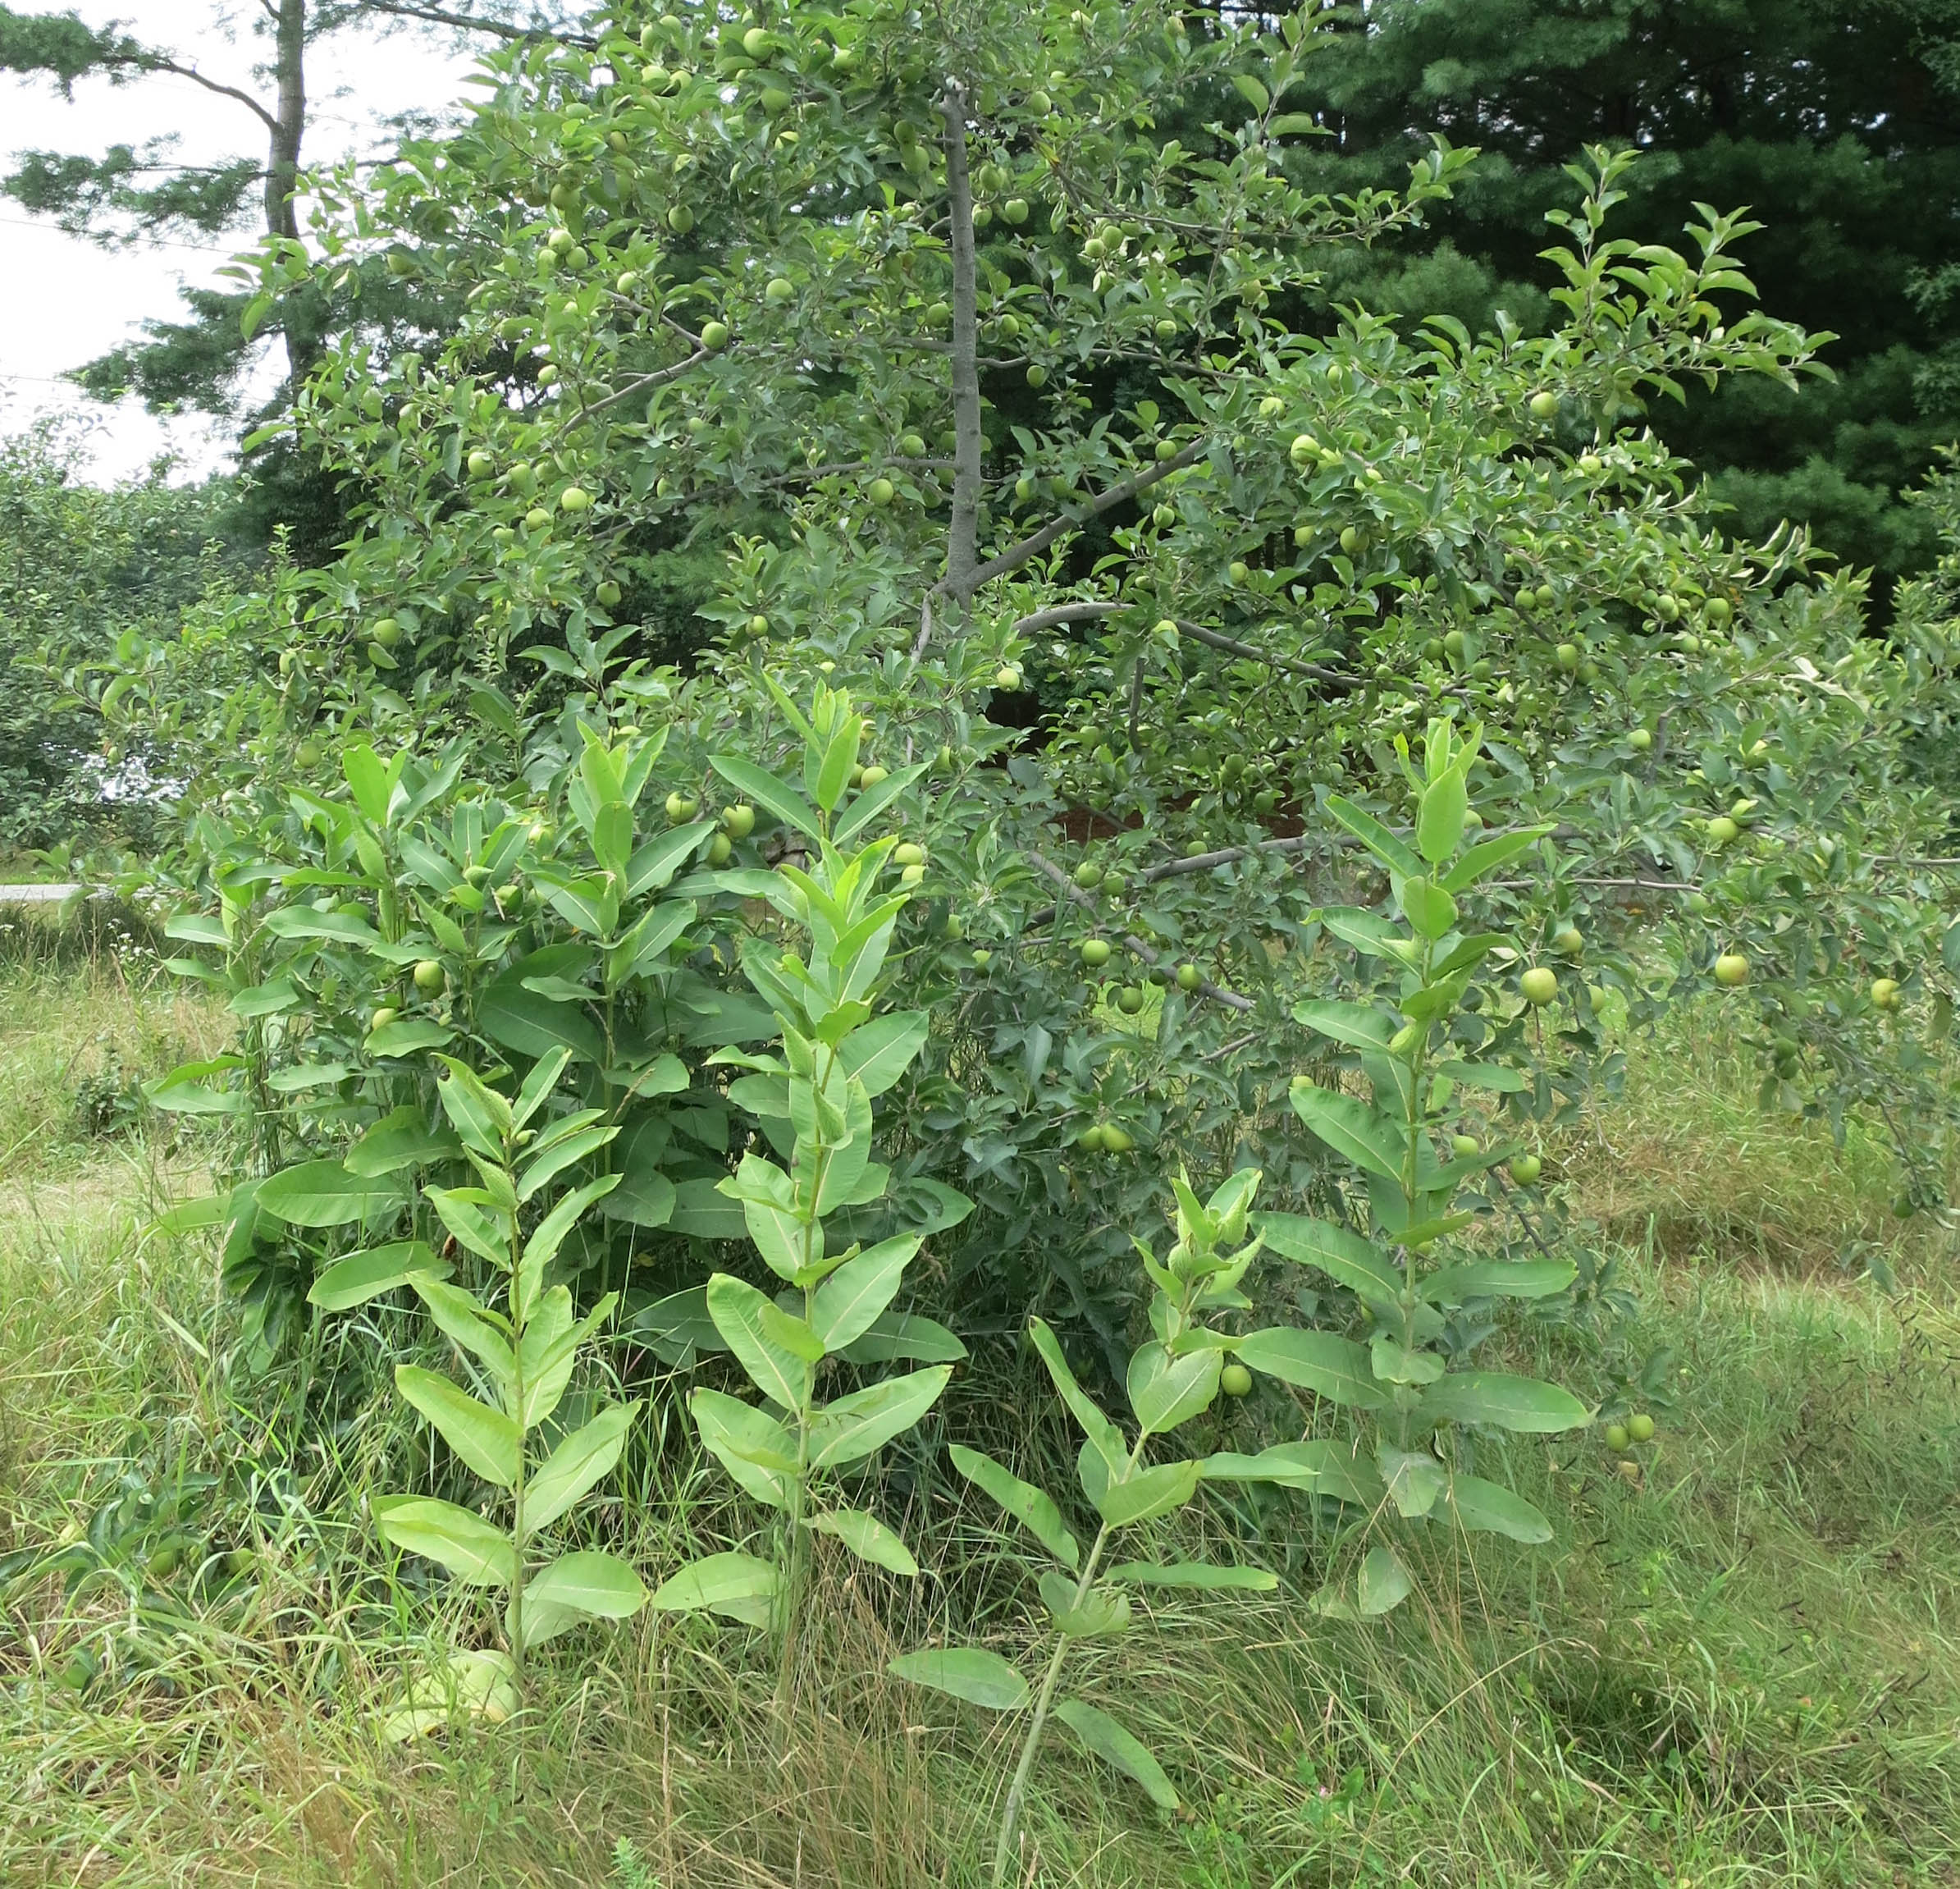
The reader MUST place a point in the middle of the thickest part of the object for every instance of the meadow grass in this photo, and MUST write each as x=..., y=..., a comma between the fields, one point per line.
x=1741, y=1668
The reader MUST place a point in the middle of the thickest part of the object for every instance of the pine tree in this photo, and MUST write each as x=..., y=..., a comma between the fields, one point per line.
x=1836, y=121
x=129, y=195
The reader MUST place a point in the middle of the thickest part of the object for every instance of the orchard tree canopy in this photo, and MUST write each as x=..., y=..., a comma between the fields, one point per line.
x=1837, y=124
x=915, y=353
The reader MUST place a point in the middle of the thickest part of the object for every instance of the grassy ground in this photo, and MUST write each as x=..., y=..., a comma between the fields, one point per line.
x=1745, y=1670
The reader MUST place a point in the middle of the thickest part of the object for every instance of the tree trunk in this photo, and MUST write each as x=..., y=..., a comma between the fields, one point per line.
x=962, y=541
x=282, y=171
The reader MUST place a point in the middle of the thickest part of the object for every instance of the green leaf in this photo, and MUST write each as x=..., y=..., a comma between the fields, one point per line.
x=853, y=1426
x=402, y=1138
x=1258, y=97
x=1414, y=1480
x=324, y=1194
x=1348, y=1127
x=1394, y=853
x=1384, y=1582
x=356, y=1277
x=1099, y=1613
x=1358, y=1024
x=702, y=1212
x=1319, y=1465
x=1334, y=1367
x=880, y=1052
x=1166, y=1390
x=1111, y=1743
x=1148, y=1493
x=655, y=863
x=1297, y=124
x=737, y=1309
x=1200, y=1574
x=756, y=1450
x=409, y=1037
x=867, y=1538
x=1498, y=1280
x=1106, y=1438
x=516, y=1018
x=1491, y=1509
x=1028, y=1505
x=645, y=1199
x=542, y=1248
x=1430, y=909
x=968, y=1672
x=1439, y=821
x=575, y=1464
x=908, y=1336
x=1344, y=1255
x=467, y=1221
x=1487, y=855
x=485, y=1439
x=373, y=780
x=1513, y=1403
x=585, y=1586
x=755, y=784
x=467, y=1326
x=559, y=1155
x=1491, y=1076
x=468, y=1546
x=738, y=1586
x=850, y=1301
x=864, y=807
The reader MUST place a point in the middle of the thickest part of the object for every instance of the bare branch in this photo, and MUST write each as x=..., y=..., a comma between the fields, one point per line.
x=962, y=534
x=1217, y=992
x=469, y=23
x=162, y=62
x=1086, y=611
x=1334, y=678
x=641, y=383
x=1016, y=556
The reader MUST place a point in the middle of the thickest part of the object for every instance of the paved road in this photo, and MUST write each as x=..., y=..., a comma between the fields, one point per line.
x=35, y=894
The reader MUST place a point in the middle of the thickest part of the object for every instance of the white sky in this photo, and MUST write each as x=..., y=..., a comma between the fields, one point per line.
x=65, y=300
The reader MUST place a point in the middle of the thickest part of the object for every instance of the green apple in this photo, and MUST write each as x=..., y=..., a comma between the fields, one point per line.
x=1095, y=953
x=1731, y=969
x=714, y=336
x=681, y=807
x=780, y=290
x=1544, y=405
x=881, y=492
x=1539, y=985
x=1235, y=1380
x=910, y=853
x=1526, y=1169
x=431, y=979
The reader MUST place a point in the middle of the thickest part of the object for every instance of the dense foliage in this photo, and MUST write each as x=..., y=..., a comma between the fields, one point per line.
x=79, y=567
x=1836, y=124
x=877, y=594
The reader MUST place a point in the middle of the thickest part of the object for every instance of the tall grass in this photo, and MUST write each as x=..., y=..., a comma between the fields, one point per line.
x=1742, y=1669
